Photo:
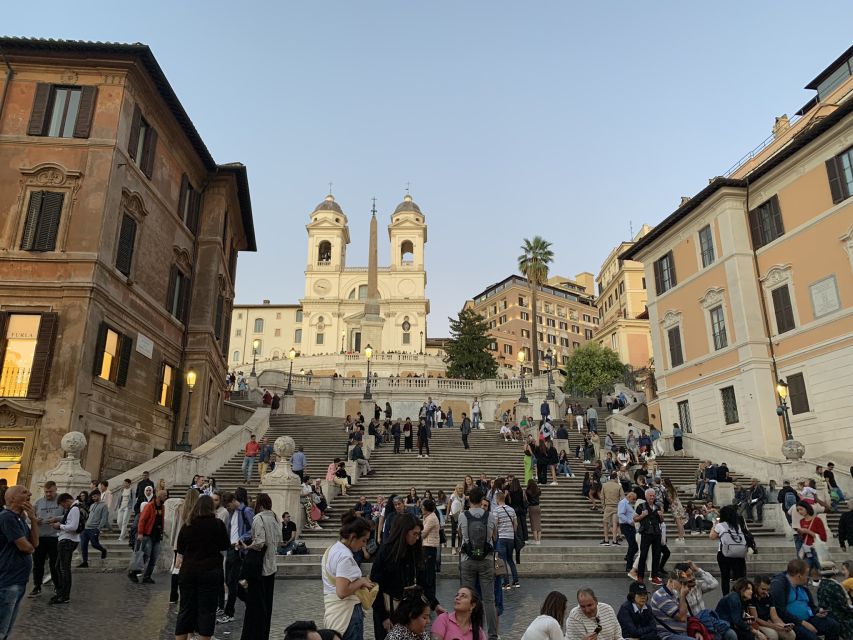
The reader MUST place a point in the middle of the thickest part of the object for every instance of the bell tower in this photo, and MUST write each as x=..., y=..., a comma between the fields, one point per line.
x=408, y=235
x=328, y=237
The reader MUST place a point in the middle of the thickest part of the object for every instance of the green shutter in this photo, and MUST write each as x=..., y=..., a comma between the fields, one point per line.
x=125, y=350
x=43, y=356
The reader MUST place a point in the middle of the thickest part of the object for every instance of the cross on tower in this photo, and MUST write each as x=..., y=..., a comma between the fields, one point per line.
x=373, y=210
x=408, y=184
x=330, y=188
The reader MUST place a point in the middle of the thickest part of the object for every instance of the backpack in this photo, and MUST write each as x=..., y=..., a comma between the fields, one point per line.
x=736, y=546
x=299, y=549
x=478, y=545
x=84, y=515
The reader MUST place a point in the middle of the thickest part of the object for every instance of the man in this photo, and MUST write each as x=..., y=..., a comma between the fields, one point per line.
x=69, y=537
x=592, y=620
x=124, y=503
x=430, y=414
x=48, y=511
x=787, y=497
x=288, y=535
x=149, y=533
x=239, y=529
x=98, y=520
x=275, y=405
x=699, y=582
x=357, y=456
x=219, y=506
x=710, y=479
x=475, y=413
x=757, y=498
x=592, y=418
x=264, y=458
x=465, y=428
x=298, y=462
x=363, y=507
x=829, y=474
x=477, y=560
x=649, y=517
x=611, y=495
x=795, y=604
x=249, y=452
x=424, y=434
x=635, y=617
x=544, y=412
x=670, y=609
x=18, y=542
x=561, y=439
x=140, y=490
x=625, y=514
x=845, y=530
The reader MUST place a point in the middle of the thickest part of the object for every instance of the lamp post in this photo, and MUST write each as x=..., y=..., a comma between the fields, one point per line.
x=422, y=343
x=368, y=353
x=290, y=356
x=184, y=444
x=549, y=355
x=255, y=344
x=522, y=399
x=791, y=449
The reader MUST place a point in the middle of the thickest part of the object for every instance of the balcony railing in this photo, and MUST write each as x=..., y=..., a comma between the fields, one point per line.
x=14, y=382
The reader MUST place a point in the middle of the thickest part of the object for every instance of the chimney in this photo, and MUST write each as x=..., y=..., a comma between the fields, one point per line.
x=266, y=301
x=781, y=125
x=684, y=200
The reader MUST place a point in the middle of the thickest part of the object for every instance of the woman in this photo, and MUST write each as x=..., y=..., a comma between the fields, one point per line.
x=468, y=484
x=529, y=459
x=516, y=498
x=411, y=617
x=595, y=441
x=657, y=443
x=492, y=495
x=342, y=579
x=413, y=503
x=542, y=463
x=623, y=457
x=677, y=508
x=407, y=435
x=832, y=597
x=161, y=485
x=677, y=438
x=731, y=534
x=395, y=506
x=307, y=497
x=586, y=489
x=340, y=476
x=553, y=458
x=609, y=464
x=431, y=540
x=734, y=607
x=457, y=506
x=200, y=577
x=441, y=506
x=847, y=577
x=125, y=497
x=548, y=625
x=809, y=529
x=465, y=622
x=534, y=512
x=398, y=565
x=182, y=520
x=319, y=499
x=266, y=538
x=563, y=467
x=388, y=411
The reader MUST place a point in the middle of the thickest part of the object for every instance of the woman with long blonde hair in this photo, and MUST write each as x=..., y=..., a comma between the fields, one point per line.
x=183, y=516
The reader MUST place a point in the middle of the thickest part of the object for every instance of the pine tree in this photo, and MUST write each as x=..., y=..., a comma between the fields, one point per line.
x=468, y=355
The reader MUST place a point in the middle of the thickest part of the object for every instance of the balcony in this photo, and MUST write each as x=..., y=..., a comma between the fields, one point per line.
x=14, y=382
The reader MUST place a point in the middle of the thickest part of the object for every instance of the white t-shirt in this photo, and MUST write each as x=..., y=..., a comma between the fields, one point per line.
x=543, y=628
x=340, y=564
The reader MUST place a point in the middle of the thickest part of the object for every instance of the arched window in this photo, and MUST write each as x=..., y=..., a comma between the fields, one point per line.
x=324, y=252
x=236, y=357
x=259, y=325
x=407, y=252
x=276, y=354
x=360, y=291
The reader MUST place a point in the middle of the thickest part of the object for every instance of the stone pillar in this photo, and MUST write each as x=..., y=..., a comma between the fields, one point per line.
x=68, y=474
x=288, y=404
x=283, y=486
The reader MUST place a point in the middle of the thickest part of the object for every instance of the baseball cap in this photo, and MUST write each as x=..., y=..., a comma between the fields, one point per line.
x=637, y=588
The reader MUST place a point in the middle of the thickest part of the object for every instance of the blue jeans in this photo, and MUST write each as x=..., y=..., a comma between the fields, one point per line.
x=505, y=550
x=355, y=629
x=151, y=550
x=248, y=463
x=826, y=627
x=91, y=536
x=10, y=599
x=475, y=419
x=564, y=468
x=283, y=549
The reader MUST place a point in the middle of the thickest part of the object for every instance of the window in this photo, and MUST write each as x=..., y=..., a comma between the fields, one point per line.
x=240, y=315
x=62, y=111
x=586, y=317
x=297, y=336
x=782, y=309
x=840, y=172
x=278, y=315
x=730, y=414
x=525, y=333
x=259, y=325
x=552, y=339
x=277, y=333
x=576, y=328
x=587, y=334
x=564, y=326
x=320, y=338
x=706, y=245
x=167, y=376
x=236, y=357
x=407, y=338
x=564, y=342
x=621, y=288
x=178, y=299
x=551, y=322
x=664, y=274
x=502, y=320
x=797, y=395
x=718, y=328
x=508, y=349
x=142, y=142
x=765, y=223
x=238, y=333
x=575, y=345
x=26, y=352
x=676, y=357
x=522, y=301
x=42, y=223
x=112, y=355
x=539, y=336
x=126, y=241
x=189, y=203
x=565, y=360
x=684, y=416
x=525, y=316
x=299, y=315
x=503, y=304
x=644, y=283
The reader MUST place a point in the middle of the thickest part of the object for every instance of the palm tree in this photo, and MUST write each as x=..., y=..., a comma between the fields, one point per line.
x=533, y=264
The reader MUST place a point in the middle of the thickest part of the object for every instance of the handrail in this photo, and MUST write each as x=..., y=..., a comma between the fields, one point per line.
x=761, y=147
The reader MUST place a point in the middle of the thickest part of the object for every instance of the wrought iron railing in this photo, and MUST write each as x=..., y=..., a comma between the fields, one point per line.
x=14, y=382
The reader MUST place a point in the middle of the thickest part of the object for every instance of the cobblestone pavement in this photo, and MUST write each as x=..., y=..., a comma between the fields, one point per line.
x=106, y=606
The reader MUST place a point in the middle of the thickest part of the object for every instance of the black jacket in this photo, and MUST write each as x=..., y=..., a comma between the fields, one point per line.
x=637, y=624
x=845, y=529
x=393, y=576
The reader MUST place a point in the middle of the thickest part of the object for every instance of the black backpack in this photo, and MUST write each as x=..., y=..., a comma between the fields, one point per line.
x=84, y=515
x=478, y=546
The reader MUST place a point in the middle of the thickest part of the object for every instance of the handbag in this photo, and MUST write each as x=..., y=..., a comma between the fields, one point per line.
x=137, y=562
x=367, y=596
x=316, y=514
x=500, y=566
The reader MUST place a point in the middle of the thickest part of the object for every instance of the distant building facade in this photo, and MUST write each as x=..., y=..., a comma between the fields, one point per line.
x=751, y=281
x=119, y=237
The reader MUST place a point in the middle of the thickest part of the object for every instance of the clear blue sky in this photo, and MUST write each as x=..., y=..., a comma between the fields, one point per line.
x=510, y=119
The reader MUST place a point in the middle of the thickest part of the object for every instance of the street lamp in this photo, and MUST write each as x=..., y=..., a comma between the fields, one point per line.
x=255, y=344
x=522, y=398
x=368, y=353
x=782, y=410
x=549, y=354
x=184, y=444
x=290, y=356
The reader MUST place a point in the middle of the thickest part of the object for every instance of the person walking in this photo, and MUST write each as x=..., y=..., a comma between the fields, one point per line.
x=477, y=563
x=544, y=412
x=98, y=520
x=592, y=418
x=534, y=511
x=140, y=496
x=732, y=546
x=475, y=413
x=265, y=454
x=649, y=517
x=69, y=528
x=529, y=459
x=507, y=523
x=298, y=462
x=625, y=515
x=200, y=544
x=182, y=518
x=48, y=512
x=149, y=534
x=407, y=435
x=611, y=495
x=424, y=434
x=18, y=542
x=123, y=507
x=677, y=439
x=465, y=429
x=396, y=433
x=431, y=545
x=250, y=451
x=457, y=505
x=259, y=570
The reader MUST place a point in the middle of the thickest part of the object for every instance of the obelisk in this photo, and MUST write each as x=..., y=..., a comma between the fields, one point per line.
x=372, y=322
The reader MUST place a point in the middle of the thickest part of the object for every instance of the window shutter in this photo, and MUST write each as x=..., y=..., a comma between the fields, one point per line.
x=31, y=224
x=100, y=345
x=170, y=295
x=755, y=229
x=43, y=356
x=798, y=395
x=85, y=112
x=836, y=184
x=147, y=163
x=195, y=209
x=135, y=125
x=48, y=221
x=776, y=216
x=658, y=278
x=217, y=323
x=159, y=382
x=125, y=349
x=3, y=320
x=38, y=115
x=177, y=392
x=127, y=237
x=671, y=263
x=185, y=186
x=783, y=310
x=186, y=288
x=226, y=337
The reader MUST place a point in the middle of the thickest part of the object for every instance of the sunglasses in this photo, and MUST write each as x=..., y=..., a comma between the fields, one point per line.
x=598, y=626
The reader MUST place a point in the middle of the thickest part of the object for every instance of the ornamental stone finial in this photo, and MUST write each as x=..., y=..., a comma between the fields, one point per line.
x=72, y=444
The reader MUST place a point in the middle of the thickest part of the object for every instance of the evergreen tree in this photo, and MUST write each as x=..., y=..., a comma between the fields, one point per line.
x=468, y=355
x=593, y=368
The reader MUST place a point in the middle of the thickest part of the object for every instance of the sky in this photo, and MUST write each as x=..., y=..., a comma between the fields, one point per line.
x=573, y=121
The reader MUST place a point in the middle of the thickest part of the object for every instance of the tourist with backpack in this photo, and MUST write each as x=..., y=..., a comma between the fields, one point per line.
x=477, y=560
x=149, y=534
x=732, y=548
x=72, y=524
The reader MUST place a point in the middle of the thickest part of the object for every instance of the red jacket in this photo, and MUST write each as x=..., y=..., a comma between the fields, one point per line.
x=146, y=518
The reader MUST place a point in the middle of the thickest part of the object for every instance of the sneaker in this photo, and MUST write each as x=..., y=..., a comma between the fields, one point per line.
x=420, y=456
x=131, y=575
x=507, y=587
x=633, y=575
x=147, y=581
x=604, y=543
x=515, y=585
x=104, y=554
x=224, y=619
x=679, y=541
x=426, y=456
x=553, y=484
x=58, y=600
x=83, y=565
x=657, y=581
x=35, y=592
x=616, y=543
x=586, y=461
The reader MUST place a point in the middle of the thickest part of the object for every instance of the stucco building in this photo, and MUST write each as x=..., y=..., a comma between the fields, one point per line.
x=751, y=281
x=119, y=237
x=623, y=321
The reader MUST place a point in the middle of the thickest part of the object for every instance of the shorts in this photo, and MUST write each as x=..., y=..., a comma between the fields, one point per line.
x=609, y=513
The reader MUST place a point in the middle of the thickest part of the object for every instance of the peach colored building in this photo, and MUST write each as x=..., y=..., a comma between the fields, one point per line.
x=623, y=323
x=119, y=237
x=751, y=281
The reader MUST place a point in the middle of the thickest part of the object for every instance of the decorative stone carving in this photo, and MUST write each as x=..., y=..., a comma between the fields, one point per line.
x=133, y=203
x=712, y=297
x=776, y=275
x=69, y=76
x=72, y=444
x=49, y=174
x=847, y=240
x=793, y=449
x=68, y=474
x=670, y=319
x=183, y=259
x=7, y=418
x=284, y=446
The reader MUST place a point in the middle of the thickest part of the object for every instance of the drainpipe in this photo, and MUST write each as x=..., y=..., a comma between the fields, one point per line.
x=9, y=74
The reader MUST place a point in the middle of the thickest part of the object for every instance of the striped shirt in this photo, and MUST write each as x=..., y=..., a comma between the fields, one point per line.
x=506, y=517
x=665, y=606
x=578, y=626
